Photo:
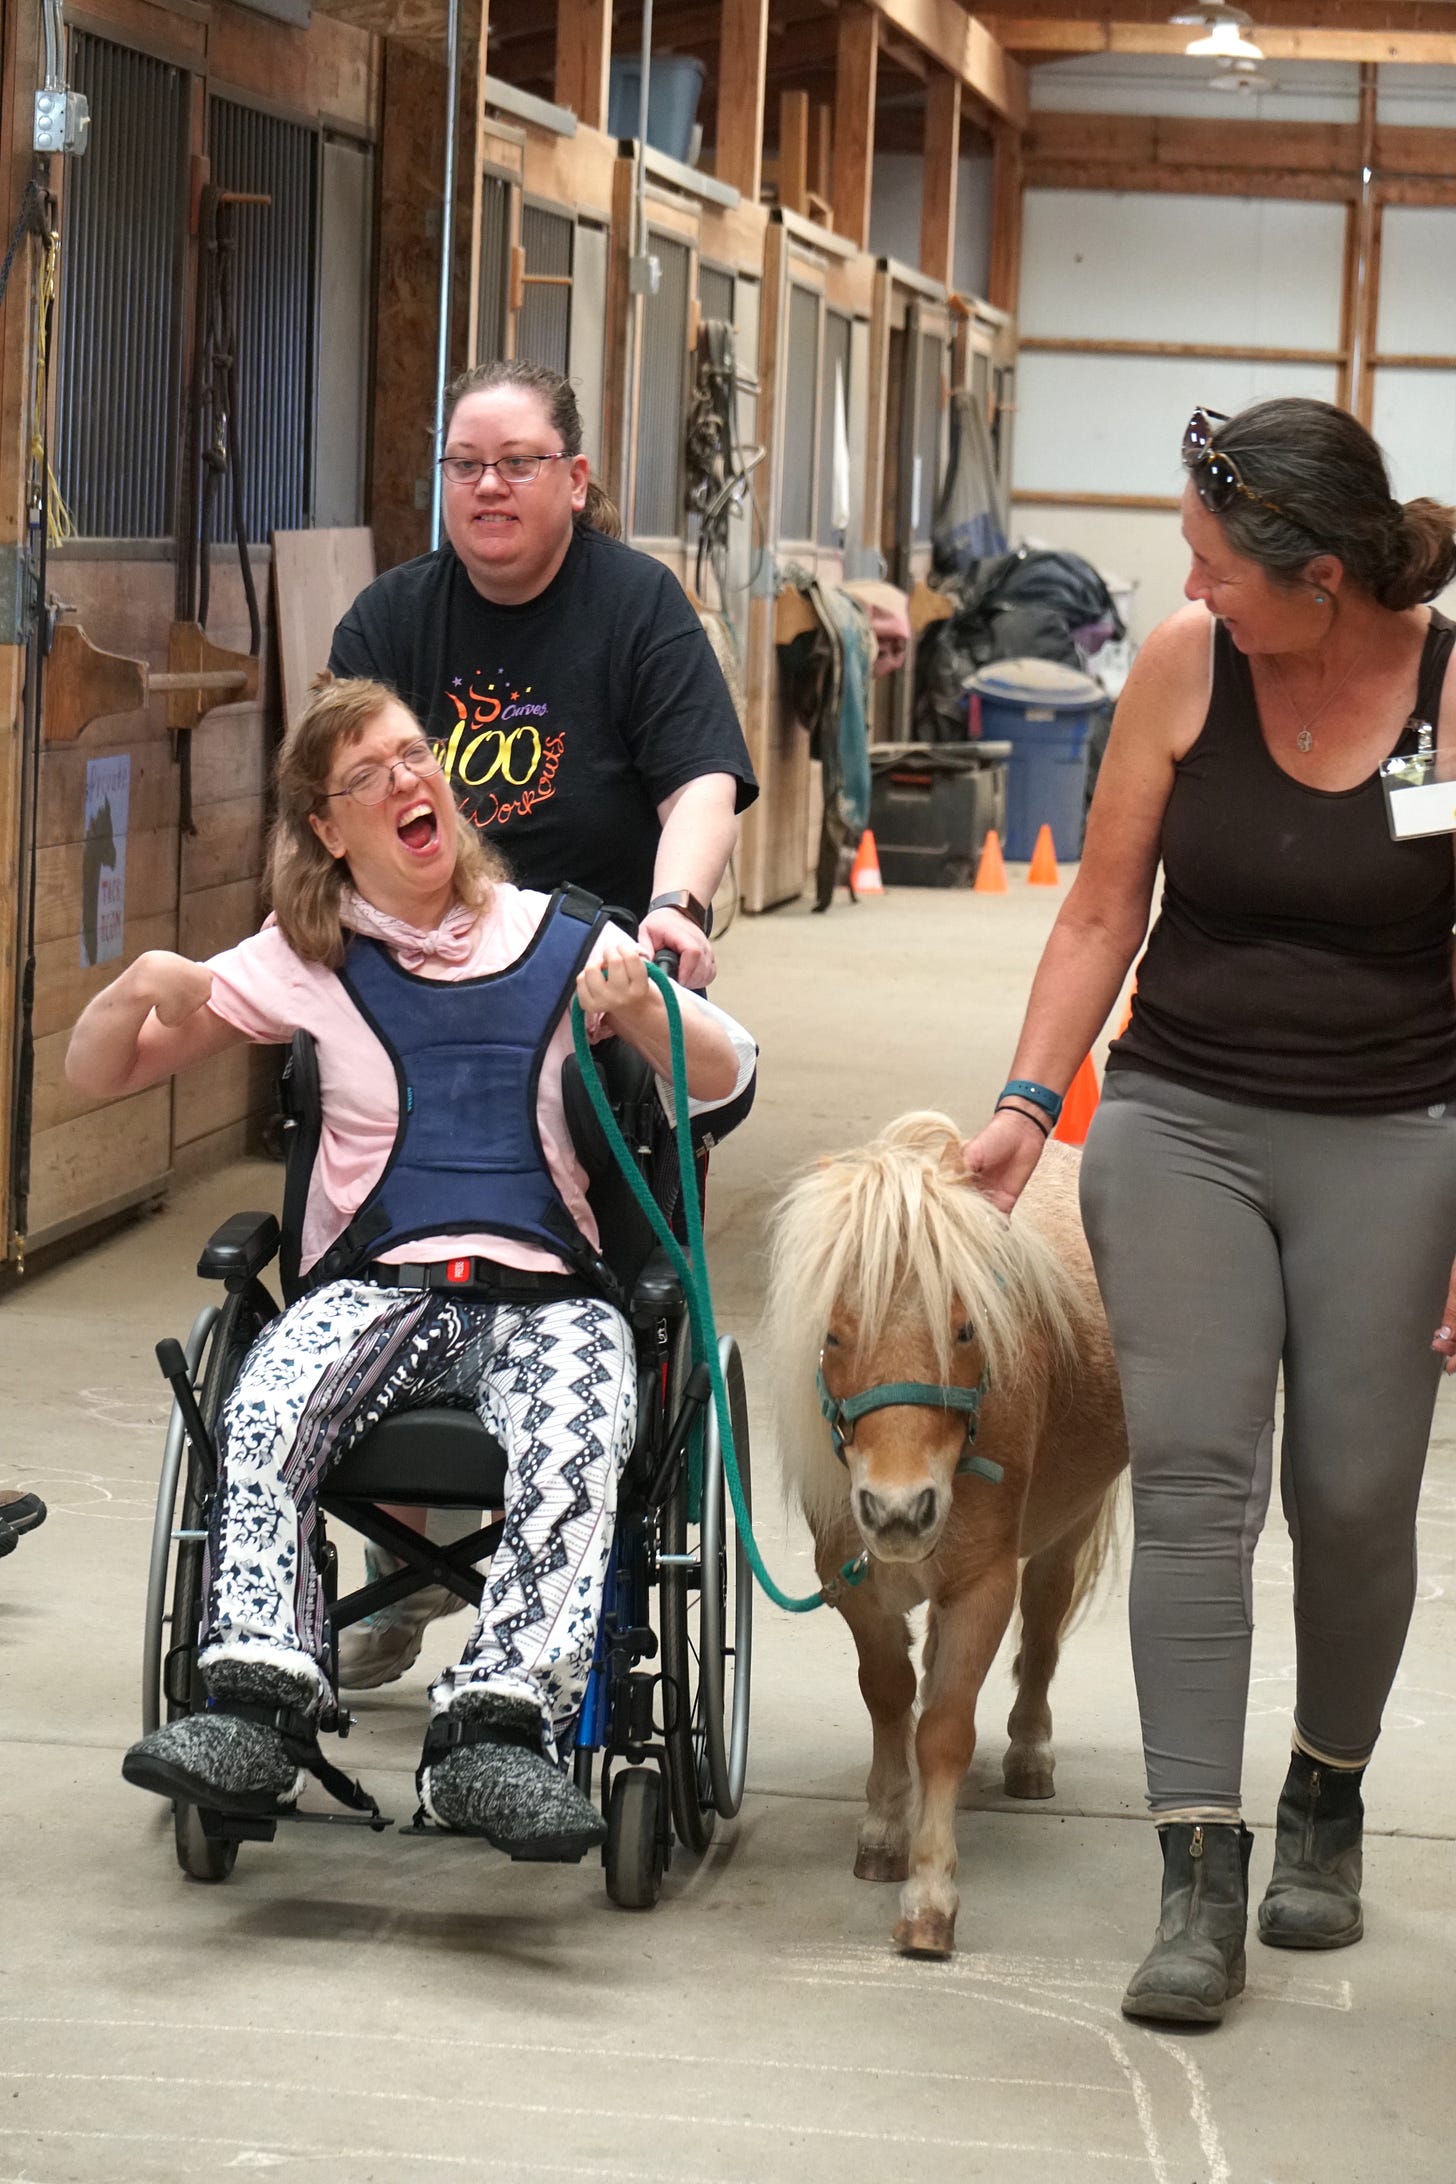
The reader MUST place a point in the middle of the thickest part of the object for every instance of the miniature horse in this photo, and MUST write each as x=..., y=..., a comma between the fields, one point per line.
x=975, y=1433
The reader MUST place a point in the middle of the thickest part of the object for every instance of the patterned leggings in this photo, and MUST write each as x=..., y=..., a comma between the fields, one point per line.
x=556, y=1386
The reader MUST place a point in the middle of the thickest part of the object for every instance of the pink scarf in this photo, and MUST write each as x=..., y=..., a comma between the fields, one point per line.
x=451, y=941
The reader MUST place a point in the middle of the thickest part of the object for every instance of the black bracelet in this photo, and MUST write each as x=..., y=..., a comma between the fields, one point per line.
x=1005, y=1107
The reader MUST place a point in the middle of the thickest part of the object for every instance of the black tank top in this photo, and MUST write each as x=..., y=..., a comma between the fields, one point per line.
x=1301, y=957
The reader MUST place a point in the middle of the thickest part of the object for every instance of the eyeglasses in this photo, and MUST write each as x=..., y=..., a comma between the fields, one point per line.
x=1215, y=476
x=374, y=784
x=510, y=469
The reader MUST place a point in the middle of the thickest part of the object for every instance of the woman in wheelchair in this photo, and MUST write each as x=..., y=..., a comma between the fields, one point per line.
x=453, y=1253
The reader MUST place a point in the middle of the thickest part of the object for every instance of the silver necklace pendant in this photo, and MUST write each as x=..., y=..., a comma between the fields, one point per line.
x=1305, y=740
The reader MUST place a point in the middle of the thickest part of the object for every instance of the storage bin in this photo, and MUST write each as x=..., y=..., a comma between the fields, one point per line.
x=672, y=100
x=931, y=808
x=1045, y=713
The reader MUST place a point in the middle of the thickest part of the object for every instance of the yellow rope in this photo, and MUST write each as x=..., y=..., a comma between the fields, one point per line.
x=60, y=524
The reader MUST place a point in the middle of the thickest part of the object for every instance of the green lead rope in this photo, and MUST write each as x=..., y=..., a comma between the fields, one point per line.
x=690, y=1267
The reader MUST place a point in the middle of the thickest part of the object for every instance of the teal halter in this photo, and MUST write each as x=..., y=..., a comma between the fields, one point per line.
x=929, y=1394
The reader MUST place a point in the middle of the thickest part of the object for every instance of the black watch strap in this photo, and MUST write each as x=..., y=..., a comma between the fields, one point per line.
x=679, y=898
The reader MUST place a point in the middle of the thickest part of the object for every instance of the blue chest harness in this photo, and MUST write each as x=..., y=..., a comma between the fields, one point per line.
x=467, y=1056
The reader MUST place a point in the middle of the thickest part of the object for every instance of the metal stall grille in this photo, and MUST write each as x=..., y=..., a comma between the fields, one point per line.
x=801, y=371
x=927, y=435
x=658, y=499
x=715, y=293
x=119, y=361
x=276, y=301
x=495, y=231
x=543, y=330
x=833, y=403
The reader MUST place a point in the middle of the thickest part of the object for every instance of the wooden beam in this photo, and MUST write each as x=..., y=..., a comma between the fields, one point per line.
x=794, y=151
x=855, y=82
x=1142, y=140
x=584, y=58
x=966, y=47
x=938, y=182
x=1032, y=35
x=1212, y=351
x=1008, y=184
x=738, y=145
x=1387, y=17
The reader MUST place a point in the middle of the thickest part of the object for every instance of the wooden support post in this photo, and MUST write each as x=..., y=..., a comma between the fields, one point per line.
x=1366, y=301
x=821, y=154
x=742, y=70
x=856, y=75
x=584, y=58
x=941, y=170
x=1007, y=180
x=794, y=151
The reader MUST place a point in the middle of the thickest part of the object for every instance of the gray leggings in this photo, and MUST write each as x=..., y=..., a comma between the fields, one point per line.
x=1229, y=1239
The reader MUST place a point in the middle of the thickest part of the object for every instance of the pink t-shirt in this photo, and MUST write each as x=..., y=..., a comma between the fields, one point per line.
x=267, y=992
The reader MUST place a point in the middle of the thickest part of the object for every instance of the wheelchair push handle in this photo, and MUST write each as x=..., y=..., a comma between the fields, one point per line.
x=171, y=1358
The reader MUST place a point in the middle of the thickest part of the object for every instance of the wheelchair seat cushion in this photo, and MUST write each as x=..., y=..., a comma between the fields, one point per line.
x=438, y=1458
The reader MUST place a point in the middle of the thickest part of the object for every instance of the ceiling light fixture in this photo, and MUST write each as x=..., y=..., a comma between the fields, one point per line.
x=1223, y=28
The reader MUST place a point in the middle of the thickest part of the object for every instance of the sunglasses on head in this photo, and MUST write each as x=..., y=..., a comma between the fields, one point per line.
x=1215, y=476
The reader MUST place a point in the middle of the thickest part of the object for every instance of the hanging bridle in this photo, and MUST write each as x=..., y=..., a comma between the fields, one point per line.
x=845, y=1413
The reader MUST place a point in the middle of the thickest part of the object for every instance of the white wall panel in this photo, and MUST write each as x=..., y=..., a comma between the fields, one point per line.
x=1155, y=267
x=1417, y=291
x=1414, y=419
x=1114, y=424
x=1167, y=84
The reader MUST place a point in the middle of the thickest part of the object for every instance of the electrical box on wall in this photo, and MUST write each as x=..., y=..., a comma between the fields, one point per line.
x=62, y=121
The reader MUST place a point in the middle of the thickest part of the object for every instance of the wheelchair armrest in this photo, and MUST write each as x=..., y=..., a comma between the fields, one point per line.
x=241, y=1247
x=656, y=1291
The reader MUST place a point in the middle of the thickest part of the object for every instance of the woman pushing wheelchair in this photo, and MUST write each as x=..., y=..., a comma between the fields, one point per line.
x=454, y=1258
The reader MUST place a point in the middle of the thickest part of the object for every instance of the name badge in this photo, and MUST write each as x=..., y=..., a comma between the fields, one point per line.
x=1420, y=788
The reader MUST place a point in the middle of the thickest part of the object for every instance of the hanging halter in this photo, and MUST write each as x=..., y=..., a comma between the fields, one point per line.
x=843, y=1415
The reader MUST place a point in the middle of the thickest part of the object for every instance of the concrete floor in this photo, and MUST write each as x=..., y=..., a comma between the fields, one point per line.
x=369, y=2008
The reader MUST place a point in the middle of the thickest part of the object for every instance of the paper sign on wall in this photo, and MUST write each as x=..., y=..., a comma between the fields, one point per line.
x=103, y=858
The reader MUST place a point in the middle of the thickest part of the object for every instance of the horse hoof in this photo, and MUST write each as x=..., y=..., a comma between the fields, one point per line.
x=1029, y=1781
x=928, y=1934
x=880, y=1864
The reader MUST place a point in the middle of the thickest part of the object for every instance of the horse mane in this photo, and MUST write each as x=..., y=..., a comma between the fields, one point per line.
x=892, y=1219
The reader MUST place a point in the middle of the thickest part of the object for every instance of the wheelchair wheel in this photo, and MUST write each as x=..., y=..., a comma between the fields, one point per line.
x=704, y=1680
x=634, y=1847
x=725, y=1608
x=238, y=1323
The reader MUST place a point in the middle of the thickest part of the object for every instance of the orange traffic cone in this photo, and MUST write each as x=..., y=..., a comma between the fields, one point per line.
x=1043, y=869
x=991, y=871
x=1079, y=1106
x=864, y=873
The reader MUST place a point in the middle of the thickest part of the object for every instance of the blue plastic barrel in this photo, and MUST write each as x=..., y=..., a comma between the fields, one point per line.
x=672, y=100
x=1045, y=712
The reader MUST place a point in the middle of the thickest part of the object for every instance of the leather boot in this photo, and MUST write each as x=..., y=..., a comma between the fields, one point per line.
x=1196, y=1965
x=1313, y=1897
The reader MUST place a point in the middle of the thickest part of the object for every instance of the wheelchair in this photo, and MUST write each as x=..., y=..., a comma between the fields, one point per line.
x=662, y=1738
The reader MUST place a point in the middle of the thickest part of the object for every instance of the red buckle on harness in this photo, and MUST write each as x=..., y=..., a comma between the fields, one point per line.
x=459, y=1270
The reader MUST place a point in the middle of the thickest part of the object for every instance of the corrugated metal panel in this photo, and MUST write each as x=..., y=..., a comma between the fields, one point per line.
x=119, y=352
x=345, y=331
x=275, y=302
x=927, y=432
x=658, y=507
x=588, y=332
x=834, y=388
x=543, y=330
x=495, y=225
x=801, y=369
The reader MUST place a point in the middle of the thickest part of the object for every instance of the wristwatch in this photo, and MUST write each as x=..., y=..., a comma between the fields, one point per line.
x=679, y=898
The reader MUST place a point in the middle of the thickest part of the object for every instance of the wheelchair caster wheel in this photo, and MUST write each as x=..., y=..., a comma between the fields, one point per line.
x=634, y=1848
x=202, y=1857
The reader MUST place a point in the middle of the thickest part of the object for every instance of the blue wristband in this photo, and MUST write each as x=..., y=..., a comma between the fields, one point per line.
x=1035, y=1095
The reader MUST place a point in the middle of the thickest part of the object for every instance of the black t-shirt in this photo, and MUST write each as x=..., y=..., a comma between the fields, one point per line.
x=564, y=722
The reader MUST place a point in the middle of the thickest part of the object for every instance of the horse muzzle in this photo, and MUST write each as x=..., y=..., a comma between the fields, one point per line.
x=899, y=1524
